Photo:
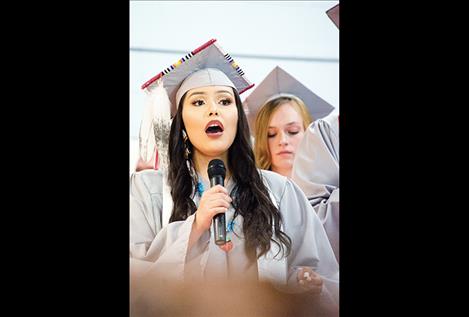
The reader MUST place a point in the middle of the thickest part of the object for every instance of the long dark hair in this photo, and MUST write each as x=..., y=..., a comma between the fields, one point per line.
x=250, y=195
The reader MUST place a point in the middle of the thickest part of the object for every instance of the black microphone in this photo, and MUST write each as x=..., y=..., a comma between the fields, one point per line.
x=216, y=173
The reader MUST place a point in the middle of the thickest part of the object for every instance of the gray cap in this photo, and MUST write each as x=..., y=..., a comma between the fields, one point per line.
x=280, y=83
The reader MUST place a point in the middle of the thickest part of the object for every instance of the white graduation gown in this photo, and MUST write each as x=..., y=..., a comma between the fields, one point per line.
x=161, y=249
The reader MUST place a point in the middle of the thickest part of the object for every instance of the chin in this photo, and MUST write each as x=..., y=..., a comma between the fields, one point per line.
x=216, y=152
x=284, y=166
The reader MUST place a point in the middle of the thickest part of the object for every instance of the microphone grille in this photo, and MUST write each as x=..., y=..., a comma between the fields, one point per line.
x=216, y=167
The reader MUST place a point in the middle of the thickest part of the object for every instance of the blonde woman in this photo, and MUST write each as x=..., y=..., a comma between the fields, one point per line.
x=279, y=117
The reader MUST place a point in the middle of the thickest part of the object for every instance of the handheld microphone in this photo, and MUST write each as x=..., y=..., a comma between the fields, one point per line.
x=216, y=173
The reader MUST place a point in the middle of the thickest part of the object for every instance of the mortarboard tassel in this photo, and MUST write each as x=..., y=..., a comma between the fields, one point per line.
x=161, y=122
x=156, y=125
x=147, y=142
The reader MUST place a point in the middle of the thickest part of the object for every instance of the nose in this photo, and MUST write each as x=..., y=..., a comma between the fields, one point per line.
x=213, y=109
x=283, y=139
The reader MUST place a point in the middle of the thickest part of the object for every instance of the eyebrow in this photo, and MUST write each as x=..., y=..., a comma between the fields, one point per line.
x=288, y=124
x=203, y=93
x=224, y=91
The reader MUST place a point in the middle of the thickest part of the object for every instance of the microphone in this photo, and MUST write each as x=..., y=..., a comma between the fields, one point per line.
x=216, y=173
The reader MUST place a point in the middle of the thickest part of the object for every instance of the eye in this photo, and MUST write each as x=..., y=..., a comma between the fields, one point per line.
x=293, y=132
x=226, y=101
x=198, y=102
x=271, y=135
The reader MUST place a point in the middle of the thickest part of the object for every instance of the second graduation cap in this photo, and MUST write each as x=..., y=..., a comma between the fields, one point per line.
x=333, y=14
x=280, y=83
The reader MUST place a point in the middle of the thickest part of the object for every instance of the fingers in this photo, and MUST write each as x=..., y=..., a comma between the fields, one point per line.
x=216, y=200
x=217, y=189
x=217, y=197
x=213, y=201
x=214, y=196
x=311, y=276
x=204, y=216
x=310, y=279
x=218, y=210
x=212, y=204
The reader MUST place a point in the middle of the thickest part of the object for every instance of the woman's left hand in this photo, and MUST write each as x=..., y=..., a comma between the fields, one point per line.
x=309, y=279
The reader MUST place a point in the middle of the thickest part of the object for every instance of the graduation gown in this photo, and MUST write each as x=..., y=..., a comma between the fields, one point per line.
x=161, y=249
x=316, y=172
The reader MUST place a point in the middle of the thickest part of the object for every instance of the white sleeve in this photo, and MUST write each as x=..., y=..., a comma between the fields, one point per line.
x=145, y=211
x=310, y=244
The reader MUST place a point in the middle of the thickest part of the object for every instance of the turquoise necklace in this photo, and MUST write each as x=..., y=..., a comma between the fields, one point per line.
x=231, y=223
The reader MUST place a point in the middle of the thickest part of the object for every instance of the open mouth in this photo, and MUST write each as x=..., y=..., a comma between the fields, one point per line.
x=214, y=127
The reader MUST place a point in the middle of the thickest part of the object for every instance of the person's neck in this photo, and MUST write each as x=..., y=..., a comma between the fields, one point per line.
x=201, y=164
x=283, y=171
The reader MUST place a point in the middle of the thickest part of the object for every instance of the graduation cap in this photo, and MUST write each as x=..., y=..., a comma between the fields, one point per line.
x=219, y=69
x=333, y=14
x=279, y=83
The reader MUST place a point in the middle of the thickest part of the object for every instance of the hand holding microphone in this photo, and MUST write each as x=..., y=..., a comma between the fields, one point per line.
x=216, y=173
x=214, y=203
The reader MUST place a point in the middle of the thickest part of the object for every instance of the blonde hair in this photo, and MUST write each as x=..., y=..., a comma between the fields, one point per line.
x=261, y=143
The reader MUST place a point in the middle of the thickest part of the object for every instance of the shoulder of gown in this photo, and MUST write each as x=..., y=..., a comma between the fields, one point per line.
x=148, y=181
x=276, y=183
x=316, y=165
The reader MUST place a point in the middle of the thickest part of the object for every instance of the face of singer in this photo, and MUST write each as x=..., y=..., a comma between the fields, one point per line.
x=210, y=116
x=285, y=133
